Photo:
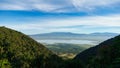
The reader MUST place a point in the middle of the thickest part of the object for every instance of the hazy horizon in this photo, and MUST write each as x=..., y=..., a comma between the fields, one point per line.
x=72, y=32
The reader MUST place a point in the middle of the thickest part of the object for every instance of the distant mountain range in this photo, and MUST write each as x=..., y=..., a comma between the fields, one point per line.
x=69, y=35
x=105, y=33
x=58, y=34
x=75, y=34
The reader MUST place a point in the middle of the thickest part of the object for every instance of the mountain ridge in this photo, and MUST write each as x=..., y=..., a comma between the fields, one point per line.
x=70, y=33
x=74, y=36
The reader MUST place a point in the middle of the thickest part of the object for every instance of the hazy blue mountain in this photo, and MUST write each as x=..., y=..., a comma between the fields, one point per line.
x=58, y=34
x=69, y=35
x=75, y=34
x=104, y=34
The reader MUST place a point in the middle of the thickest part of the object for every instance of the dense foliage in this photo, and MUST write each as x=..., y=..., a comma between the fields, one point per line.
x=20, y=51
x=108, y=56
x=105, y=55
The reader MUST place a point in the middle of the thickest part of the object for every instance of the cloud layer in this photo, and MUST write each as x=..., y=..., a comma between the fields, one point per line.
x=57, y=5
x=88, y=24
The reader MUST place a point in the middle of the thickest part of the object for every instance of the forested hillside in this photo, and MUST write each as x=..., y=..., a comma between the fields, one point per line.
x=104, y=55
x=20, y=51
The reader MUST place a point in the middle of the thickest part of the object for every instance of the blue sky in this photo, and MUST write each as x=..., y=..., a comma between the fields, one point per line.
x=77, y=16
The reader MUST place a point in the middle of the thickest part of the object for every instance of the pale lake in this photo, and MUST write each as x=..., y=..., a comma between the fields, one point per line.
x=68, y=41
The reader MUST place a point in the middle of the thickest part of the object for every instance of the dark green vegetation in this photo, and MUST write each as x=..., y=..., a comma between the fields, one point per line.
x=66, y=50
x=104, y=55
x=20, y=51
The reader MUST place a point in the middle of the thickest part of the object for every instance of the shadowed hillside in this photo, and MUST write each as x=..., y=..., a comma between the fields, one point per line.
x=104, y=55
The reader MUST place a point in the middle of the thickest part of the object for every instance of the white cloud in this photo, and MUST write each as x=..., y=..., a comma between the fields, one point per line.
x=110, y=20
x=82, y=5
x=69, y=24
x=45, y=7
x=42, y=5
x=56, y=5
x=11, y=7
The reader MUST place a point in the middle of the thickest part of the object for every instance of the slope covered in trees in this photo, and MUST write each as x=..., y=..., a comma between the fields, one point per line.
x=104, y=55
x=20, y=51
